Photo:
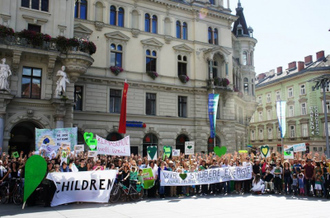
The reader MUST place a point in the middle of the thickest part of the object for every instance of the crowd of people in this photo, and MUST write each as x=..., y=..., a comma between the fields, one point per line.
x=305, y=175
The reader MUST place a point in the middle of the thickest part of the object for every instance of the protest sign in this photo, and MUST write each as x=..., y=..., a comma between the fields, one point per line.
x=299, y=147
x=152, y=152
x=167, y=150
x=88, y=186
x=148, y=178
x=79, y=148
x=189, y=147
x=15, y=154
x=92, y=153
x=176, y=152
x=288, y=152
x=55, y=137
x=264, y=150
x=209, y=176
x=120, y=148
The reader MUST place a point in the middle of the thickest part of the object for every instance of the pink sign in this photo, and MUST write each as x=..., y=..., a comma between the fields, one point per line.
x=118, y=148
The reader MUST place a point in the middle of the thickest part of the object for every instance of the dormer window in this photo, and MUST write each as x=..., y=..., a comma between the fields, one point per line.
x=239, y=30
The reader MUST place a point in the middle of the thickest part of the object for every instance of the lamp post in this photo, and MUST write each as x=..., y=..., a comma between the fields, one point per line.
x=322, y=82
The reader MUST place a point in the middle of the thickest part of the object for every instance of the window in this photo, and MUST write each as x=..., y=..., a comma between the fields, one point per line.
x=181, y=30
x=151, y=104
x=116, y=57
x=147, y=22
x=246, y=85
x=269, y=114
x=210, y=33
x=214, y=69
x=80, y=9
x=151, y=60
x=304, y=130
x=35, y=28
x=216, y=40
x=182, y=102
x=270, y=133
x=290, y=92
x=259, y=100
x=327, y=106
x=253, y=135
x=78, y=98
x=41, y=5
x=315, y=149
x=302, y=90
x=291, y=111
x=261, y=134
x=149, y=140
x=154, y=24
x=212, y=2
x=210, y=144
x=245, y=57
x=303, y=109
x=278, y=96
x=260, y=116
x=320, y=149
x=252, y=119
x=269, y=98
x=115, y=100
x=182, y=65
x=31, y=82
x=117, y=17
x=292, y=132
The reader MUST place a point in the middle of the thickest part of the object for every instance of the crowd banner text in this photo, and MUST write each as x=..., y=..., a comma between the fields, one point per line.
x=118, y=148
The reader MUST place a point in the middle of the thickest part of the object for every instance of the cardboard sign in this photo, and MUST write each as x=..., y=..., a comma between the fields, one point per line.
x=299, y=147
x=92, y=153
x=189, y=147
x=79, y=148
x=288, y=152
x=176, y=152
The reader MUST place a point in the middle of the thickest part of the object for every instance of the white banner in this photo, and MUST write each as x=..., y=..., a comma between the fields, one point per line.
x=189, y=147
x=299, y=147
x=209, y=176
x=89, y=186
x=119, y=148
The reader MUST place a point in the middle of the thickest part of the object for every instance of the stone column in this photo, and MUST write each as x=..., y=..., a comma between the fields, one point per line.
x=2, y=127
x=5, y=98
x=59, y=121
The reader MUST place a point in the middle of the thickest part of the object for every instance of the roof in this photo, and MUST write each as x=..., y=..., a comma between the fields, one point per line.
x=319, y=65
x=240, y=21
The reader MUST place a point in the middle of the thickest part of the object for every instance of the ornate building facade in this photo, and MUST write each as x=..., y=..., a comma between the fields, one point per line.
x=166, y=50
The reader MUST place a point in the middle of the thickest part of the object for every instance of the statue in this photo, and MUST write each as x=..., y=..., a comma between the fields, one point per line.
x=61, y=82
x=4, y=74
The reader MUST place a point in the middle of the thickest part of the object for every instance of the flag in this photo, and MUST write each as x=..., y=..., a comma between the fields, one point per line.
x=280, y=111
x=212, y=107
x=122, y=121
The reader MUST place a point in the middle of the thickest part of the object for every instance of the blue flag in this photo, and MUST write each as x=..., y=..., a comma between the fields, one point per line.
x=213, y=107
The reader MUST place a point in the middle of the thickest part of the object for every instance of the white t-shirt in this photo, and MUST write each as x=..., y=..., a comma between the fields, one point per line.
x=3, y=171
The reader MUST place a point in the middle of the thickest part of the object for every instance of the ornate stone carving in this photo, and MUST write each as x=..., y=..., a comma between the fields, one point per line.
x=168, y=39
x=51, y=65
x=76, y=64
x=135, y=32
x=98, y=25
x=16, y=60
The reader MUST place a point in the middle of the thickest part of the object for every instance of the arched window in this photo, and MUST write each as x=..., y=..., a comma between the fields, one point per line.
x=147, y=23
x=182, y=65
x=151, y=60
x=245, y=58
x=81, y=9
x=180, y=141
x=246, y=85
x=210, y=144
x=99, y=12
x=178, y=29
x=185, y=31
x=210, y=35
x=114, y=136
x=121, y=14
x=149, y=140
x=113, y=15
x=216, y=40
x=154, y=24
x=116, y=58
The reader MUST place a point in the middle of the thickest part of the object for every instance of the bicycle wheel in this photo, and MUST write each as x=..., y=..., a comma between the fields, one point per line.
x=136, y=195
x=17, y=197
x=115, y=194
x=3, y=195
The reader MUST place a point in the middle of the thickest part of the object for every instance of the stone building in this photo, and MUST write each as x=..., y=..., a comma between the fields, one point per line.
x=193, y=46
x=304, y=111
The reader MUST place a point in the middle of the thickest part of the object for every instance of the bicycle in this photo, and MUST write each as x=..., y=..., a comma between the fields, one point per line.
x=135, y=191
x=16, y=195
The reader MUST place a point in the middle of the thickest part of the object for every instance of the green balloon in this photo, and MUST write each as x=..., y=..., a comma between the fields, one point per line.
x=35, y=171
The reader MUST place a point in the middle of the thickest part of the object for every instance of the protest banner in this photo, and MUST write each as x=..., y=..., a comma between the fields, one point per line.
x=299, y=147
x=148, y=178
x=120, y=148
x=209, y=176
x=176, y=152
x=288, y=152
x=189, y=147
x=88, y=186
x=55, y=137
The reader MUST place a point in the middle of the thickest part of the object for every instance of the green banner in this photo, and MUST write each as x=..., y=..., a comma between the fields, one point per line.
x=148, y=178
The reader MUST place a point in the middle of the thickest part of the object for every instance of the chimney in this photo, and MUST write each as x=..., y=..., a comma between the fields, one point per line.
x=292, y=66
x=319, y=55
x=308, y=59
x=279, y=70
x=301, y=66
x=261, y=76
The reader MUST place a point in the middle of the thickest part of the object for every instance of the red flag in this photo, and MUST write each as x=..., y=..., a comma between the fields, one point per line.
x=122, y=121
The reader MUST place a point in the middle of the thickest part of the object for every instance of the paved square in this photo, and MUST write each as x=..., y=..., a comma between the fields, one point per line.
x=209, y=206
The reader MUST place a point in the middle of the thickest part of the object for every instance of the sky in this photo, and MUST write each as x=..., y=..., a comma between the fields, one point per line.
x=286, y=30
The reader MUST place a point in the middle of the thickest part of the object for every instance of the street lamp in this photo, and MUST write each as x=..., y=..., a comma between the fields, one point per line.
x=322, y=82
